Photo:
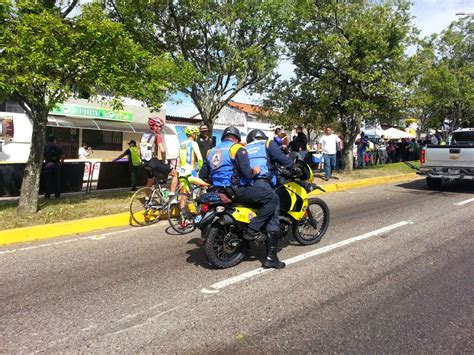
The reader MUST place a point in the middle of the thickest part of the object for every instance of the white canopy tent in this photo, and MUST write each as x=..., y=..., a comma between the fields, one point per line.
x=374, y=132
x=394, y=133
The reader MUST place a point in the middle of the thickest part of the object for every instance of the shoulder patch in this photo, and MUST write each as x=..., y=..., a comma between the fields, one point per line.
x=215, y=158
x=234, y=149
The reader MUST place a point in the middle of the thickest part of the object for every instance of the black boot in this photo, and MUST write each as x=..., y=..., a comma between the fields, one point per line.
x=271, y=261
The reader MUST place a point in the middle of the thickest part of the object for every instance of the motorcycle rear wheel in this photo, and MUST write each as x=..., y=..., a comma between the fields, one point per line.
x=223, y=247
x=311, y=229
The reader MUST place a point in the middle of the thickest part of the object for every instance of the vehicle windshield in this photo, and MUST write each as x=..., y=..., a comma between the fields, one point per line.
x=463, y=138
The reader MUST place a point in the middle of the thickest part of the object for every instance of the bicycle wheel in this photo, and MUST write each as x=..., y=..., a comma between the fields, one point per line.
x=182, y=222
x=146, y=206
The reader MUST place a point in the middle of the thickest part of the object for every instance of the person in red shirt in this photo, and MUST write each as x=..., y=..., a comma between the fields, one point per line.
x=151, y=144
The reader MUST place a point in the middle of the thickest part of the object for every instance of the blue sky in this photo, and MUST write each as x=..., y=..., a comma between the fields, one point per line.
x=429, y=16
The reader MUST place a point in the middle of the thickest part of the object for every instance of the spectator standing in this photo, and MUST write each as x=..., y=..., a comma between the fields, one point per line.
x=53, y=157
x=361, y=148
x=84, y=151
x=339, y=158
x=391, y=151
x=281, y=139
x=204, y=140
x=329, y=143
x=277, y=137
x=382, y=151
x=134, y=162
x=300, y=142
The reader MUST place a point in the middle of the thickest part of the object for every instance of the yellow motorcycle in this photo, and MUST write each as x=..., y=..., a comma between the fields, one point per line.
x=223, y=222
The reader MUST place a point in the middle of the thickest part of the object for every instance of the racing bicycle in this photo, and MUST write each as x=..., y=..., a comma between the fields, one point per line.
x=148, y=204
x=181, y=221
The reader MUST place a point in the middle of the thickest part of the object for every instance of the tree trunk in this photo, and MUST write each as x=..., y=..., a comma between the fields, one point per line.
x=348, y=158
x=30, y=185
x=350, y=130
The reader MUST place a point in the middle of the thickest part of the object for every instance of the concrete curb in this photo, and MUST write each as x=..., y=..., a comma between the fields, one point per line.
x=366, y=182
x=47, y=231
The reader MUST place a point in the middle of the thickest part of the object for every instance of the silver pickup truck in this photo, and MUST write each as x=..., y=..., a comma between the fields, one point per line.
x=454, y=161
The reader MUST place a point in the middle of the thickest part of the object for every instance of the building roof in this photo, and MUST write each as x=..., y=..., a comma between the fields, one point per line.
x=249, y=108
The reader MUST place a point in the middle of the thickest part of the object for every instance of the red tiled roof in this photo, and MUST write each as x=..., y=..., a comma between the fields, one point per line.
x=249, y=108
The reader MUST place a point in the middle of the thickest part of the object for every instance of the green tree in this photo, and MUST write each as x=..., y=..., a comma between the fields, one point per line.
x=443, y=86
x=292, y=106
x=420, y=104
x=47, y=57
x=451, y=82
x=349, y=59
x=232, y=45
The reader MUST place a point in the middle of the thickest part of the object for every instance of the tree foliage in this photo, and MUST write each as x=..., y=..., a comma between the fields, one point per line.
x=48, y=57
x=231, y=45
x=451, y=82
x=349, y=58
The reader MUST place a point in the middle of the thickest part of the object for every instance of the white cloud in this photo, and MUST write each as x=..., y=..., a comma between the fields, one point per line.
x=433, y=16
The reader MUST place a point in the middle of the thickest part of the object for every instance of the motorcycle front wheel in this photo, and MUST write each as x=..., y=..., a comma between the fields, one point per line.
x=312, y=227
x=224, y=247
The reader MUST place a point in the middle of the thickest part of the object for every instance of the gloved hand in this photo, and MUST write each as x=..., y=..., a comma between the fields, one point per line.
x=285, y=173
x=297, y=171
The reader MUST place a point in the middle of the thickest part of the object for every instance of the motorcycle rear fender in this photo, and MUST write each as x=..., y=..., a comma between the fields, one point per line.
x=226, y=219
x=244, y=214
x=207, y=219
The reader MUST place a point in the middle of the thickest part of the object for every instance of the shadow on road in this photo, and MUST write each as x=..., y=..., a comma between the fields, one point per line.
x=419, y=186
x=197, y=257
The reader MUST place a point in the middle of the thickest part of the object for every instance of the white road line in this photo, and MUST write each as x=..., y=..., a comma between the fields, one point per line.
x=214, y=288
x=95, y=237
x=464, y=202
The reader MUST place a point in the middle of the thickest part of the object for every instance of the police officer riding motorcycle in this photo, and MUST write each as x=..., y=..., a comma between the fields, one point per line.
x=229, y=168
x=267, y=156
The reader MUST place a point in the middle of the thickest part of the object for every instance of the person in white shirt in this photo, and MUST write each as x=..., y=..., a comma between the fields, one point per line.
x=84, y=151
x=329, y=144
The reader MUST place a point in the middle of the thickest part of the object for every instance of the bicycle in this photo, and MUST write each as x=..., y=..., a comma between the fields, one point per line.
x=182, y=222
x=149, y=203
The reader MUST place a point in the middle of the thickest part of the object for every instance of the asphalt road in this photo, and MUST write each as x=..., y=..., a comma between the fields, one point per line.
x=406, y=288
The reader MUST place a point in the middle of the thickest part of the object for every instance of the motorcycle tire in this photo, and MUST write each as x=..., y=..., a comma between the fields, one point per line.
x=321, y=221
x=220, y=240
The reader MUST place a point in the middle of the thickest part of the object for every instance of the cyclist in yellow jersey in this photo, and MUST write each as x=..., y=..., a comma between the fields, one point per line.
x=190, y=161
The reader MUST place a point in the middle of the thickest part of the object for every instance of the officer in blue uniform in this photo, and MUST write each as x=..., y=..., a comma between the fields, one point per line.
x=266, y=155
x=229, y=167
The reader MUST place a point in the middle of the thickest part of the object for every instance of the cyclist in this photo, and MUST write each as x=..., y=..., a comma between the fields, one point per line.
x=190, y=160
x=151, y=144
